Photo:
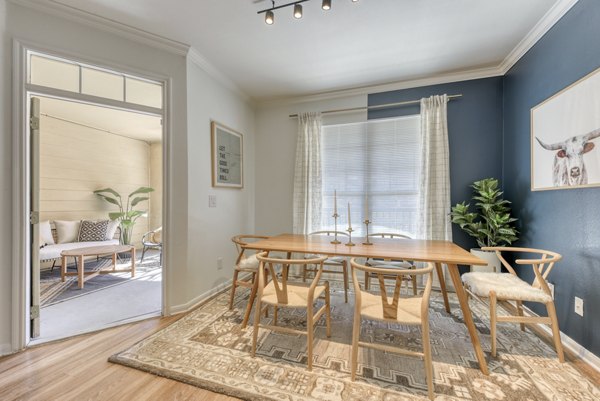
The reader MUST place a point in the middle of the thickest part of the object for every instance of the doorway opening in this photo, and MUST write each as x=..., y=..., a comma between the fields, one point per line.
x=95, y=198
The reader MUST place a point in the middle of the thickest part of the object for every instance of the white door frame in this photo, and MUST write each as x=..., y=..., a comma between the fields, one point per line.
x=21, y=172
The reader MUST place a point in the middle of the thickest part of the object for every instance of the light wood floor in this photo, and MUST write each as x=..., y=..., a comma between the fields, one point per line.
x=77, y=369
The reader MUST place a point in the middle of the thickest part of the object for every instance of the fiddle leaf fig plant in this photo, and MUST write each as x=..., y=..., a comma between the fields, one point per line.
x=127, y=215
x=490, y=223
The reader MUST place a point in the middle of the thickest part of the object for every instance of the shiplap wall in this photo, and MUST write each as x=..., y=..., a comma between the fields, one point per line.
x=155, y=215
x=76, y=160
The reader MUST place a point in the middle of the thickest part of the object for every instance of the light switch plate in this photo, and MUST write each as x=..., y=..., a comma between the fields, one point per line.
x=212, y=200
x=579, y=306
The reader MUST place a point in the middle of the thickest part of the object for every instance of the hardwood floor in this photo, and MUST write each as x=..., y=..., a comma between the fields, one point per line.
x=77, y=369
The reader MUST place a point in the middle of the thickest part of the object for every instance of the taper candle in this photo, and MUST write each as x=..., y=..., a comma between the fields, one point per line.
x=366, y=207
x=349, y=221
x=335, y=201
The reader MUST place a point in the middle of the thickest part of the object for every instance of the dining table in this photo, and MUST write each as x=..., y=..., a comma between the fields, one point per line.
x=435, y=251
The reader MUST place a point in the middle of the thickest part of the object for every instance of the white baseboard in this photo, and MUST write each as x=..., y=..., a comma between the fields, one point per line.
x=6, y=349
x=570, y=344
x=194, y=302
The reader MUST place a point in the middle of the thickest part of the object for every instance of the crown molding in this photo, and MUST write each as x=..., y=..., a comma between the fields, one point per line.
x=486, y=72
x=199, y=60
x=74, y=14
x=549, y=19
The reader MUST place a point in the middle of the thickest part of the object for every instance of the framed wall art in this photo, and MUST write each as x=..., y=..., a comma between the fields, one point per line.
x=565, y=137
x=227, y=148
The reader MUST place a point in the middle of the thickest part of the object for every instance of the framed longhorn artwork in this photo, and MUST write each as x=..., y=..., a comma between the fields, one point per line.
x=565, y=137
x=227, y=147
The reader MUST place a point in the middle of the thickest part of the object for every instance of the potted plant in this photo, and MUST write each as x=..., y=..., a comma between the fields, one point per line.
x=490, y=224
x=126, y=215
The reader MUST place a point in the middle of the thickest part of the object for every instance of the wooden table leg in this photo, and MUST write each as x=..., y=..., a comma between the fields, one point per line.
x=132, y=261
x=63, y=268
x=467, y=316
x=80, y=269
x=114, y=261
x=441, y=279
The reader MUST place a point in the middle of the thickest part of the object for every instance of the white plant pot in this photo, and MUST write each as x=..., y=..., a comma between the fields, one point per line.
x=493, y=266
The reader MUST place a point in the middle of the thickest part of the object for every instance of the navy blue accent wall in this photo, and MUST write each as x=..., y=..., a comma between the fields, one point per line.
x=567, y=221
x=474, y=132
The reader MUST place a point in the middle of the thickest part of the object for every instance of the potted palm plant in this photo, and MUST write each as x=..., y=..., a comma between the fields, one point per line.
x=127, y=215
x=490, y=223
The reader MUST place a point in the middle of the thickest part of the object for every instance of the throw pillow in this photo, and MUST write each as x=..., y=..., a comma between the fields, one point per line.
x=112, y=229
x=67, y=231
x=93, y=230
x=46, y=234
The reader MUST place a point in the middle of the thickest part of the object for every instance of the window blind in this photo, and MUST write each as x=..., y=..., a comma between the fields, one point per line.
x=378, y=160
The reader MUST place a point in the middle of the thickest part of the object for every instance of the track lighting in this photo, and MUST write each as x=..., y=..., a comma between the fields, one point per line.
x=297, y=11
x=269, y=17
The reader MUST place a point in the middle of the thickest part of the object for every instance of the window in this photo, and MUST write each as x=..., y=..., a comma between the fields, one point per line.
x=380, y=160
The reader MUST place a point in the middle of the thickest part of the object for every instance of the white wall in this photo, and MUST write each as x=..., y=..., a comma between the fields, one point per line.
x=276, y=135
x=210, y=229
x=156, y=182
x=113, y=51
x=76, y=160
x=5, y=186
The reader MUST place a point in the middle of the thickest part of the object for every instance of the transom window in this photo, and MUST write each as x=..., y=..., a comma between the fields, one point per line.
x=378, y=160
x=58, y=73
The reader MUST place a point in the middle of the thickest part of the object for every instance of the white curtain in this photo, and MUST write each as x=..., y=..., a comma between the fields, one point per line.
x=434, y=195
x=307, y=174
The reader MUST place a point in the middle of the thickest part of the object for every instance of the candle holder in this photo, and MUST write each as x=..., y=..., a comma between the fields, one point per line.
x=335, y=233
x=368, y=241
x=350, y=243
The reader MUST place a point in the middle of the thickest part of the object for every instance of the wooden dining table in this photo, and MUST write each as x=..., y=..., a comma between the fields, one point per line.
x=438, y=252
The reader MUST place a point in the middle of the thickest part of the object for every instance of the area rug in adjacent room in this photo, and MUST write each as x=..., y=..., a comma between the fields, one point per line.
x=208, y=349
x=53, y=290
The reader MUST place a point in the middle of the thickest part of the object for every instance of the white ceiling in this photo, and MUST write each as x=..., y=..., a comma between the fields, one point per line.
x=125, y=123
x=355, y=44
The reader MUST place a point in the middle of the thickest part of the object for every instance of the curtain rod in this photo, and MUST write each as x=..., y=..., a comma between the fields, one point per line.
x=379, y=106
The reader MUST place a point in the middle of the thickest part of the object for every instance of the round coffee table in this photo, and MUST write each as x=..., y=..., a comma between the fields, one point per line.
x=100, y=250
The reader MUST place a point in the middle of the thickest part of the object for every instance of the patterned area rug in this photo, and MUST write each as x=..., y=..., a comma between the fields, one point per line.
x=208, y=349
x=53, y=290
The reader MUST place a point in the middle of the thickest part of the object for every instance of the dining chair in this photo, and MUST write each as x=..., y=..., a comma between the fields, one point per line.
x=413, y=310
x=505, y=287
x=244, y=264
x=280, y=293
x=391, y=264
x=334, y=261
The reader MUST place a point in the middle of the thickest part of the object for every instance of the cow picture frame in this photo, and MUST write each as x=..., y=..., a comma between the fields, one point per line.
x=227, y=149
x=565, y=137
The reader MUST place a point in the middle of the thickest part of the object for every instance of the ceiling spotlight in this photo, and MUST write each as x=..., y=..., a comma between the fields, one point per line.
x=326, y=5
x=298, y=11
x=269, y=17
x=354, y=1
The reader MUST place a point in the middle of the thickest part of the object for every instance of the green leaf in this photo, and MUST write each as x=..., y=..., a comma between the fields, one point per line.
x=116, y=215
x=139, y=199
x=109, y=190
x=110, y=200
x=141, y=190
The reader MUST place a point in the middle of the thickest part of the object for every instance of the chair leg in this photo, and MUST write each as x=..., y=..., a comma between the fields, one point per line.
x=256, y=324
x=354, y=351
x=328, y=309
x=143, y=253
x=345, y=272
x=367, y=281
x=275, y=315
x=555, y=330
x=427, y=359
x=304, y=273
x=493, y=321
x=233, y=287
x=414, y=284
x=53, y=264
x=309, y=337
x=520, y=313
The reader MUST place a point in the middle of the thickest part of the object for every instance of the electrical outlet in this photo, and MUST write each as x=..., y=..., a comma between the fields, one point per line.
x=551, y=286
x=212, y=200
x=579, y=306
x=219, y=263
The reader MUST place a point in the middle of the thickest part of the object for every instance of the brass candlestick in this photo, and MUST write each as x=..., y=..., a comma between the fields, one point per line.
x=368, y=241
x=350, y=243
x=335, y=239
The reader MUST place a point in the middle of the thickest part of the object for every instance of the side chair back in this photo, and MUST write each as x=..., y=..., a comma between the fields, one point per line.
x=244, y=264
x=389, y=306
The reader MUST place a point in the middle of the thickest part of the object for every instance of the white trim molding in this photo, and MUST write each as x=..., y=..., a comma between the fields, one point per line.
x=195, y=302
x=55, y=7
x=6, y=349
x=570, y=344
x=553, y=15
